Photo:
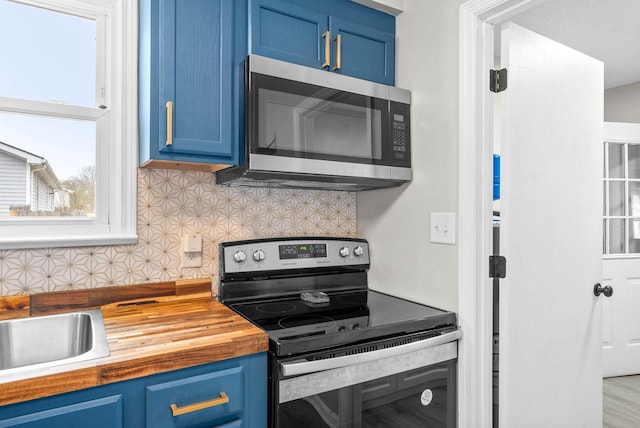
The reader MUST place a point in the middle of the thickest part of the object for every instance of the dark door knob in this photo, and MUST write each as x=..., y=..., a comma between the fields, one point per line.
x=599, y=289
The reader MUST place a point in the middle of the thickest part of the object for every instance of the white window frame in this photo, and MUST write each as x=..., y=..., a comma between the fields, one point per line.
x=626, y=216
x=116, y=130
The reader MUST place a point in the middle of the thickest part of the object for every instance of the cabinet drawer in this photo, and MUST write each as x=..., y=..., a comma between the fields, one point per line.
x=200, y=399
x=100, y=413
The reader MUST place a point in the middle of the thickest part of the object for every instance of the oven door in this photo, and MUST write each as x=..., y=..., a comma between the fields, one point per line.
x=407, y=386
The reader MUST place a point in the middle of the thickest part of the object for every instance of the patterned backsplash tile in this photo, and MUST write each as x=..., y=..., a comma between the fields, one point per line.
x=171, y=204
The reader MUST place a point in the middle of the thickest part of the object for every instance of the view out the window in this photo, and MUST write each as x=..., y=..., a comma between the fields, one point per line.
x=621, y=198
x=48, y=113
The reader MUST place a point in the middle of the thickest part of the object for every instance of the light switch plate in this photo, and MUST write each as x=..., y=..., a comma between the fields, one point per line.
x=443, y=228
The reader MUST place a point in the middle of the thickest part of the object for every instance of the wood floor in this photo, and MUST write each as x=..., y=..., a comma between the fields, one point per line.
x=621, y=402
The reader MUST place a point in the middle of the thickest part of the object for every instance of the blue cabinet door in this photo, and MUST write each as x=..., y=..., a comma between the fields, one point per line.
x=366, y=52
x=99, y=413
x=191, y=69
x=300, y=31
x=288, y=32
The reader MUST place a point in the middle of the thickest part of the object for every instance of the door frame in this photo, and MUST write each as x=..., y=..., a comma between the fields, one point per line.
x=475, y=192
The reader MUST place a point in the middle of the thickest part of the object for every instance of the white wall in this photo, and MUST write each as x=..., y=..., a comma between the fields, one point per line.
x=622, y=104
x=396, y=221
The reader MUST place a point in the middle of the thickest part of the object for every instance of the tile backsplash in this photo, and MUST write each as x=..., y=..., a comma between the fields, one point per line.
x=170, y=204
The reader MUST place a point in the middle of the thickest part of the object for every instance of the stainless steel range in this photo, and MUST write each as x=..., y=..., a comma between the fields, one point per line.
x=340, y=354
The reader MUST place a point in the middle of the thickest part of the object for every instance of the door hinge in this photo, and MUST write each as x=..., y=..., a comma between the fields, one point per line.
x=498, y=80
x=497, y=266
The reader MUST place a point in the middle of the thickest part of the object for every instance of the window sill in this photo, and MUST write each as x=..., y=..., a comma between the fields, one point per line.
x=68, y=241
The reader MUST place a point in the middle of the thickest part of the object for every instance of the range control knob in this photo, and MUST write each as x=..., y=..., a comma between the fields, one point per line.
x=258, y=255
x=358, y=251
x=240, y=256
x=344, y=252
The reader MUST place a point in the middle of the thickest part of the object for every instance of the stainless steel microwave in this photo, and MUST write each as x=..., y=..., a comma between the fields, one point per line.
x=310, y=128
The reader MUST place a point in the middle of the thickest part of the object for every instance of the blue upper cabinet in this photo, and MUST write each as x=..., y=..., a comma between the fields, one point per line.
x=190, y=70
x=336, y=35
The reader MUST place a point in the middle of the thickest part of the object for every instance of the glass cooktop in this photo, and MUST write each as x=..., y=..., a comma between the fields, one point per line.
x=295, y=323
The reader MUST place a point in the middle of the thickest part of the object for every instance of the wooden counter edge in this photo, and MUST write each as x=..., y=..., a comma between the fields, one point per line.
x=74, y=380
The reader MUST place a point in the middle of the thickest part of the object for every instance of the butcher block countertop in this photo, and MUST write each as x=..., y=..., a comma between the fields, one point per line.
x=151, y=336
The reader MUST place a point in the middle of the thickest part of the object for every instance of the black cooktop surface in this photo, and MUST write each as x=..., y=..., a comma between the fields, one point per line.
x=296, y=324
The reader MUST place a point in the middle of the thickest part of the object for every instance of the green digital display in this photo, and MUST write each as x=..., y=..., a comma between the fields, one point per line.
x=302, y=251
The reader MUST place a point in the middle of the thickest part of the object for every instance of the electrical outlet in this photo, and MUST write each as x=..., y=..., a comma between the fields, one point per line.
x=192, y=259
x=192, y=251
x=443, y=228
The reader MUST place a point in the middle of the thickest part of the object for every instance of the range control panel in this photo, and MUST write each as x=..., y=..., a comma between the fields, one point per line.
x=297, y=253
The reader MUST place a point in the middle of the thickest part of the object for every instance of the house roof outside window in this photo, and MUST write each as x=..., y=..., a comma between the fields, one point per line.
x=38, y=164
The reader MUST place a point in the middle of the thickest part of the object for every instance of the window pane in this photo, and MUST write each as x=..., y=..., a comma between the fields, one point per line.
x=634, y=198
x=616, y=198
x=48, y=64
x=634, y=236
x=616, y=160
x=47, y=166
x=634, y=161
x=616, y=236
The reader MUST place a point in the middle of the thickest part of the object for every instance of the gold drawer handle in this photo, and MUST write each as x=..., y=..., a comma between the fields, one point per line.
x=327, y=49
x=338, y=40
x=177, y=411
x=169, y=123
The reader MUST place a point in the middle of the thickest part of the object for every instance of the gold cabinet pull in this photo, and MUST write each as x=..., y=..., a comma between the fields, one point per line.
x=169, y=123
x=177, y=411
x=327, y=49
x=338, y=40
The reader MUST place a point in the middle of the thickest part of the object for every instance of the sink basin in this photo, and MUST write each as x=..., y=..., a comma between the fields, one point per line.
x=45, y=342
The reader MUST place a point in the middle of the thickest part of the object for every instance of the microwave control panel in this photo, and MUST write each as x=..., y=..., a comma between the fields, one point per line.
x=400, y=133
x=399, y=136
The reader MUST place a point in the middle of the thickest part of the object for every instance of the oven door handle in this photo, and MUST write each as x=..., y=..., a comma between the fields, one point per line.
x=302, y=367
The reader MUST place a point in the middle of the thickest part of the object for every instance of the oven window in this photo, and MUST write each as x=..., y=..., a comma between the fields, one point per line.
x=423, y=397
x=302, y=120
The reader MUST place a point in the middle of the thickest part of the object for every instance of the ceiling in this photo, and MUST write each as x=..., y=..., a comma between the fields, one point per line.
x=608, y=30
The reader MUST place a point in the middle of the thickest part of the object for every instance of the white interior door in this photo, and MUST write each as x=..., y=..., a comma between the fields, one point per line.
x=550, y=320
x=621, y=264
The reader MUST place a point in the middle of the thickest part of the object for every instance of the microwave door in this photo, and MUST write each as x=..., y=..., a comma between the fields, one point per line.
x=330, y=124
x=342, y=130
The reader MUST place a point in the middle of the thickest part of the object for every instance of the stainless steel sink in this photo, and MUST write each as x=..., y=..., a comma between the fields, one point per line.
x=45, y=342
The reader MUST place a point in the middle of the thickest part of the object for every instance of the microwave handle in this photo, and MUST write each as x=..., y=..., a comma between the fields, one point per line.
x=303, y=367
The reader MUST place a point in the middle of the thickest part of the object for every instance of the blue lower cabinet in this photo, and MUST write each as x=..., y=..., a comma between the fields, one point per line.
x=225, y=394
x=100, y=413
x=213, y=398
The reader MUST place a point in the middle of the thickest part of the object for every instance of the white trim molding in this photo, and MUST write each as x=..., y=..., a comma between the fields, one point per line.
x=475, y=312
x=392, y=7
x=115, y=117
